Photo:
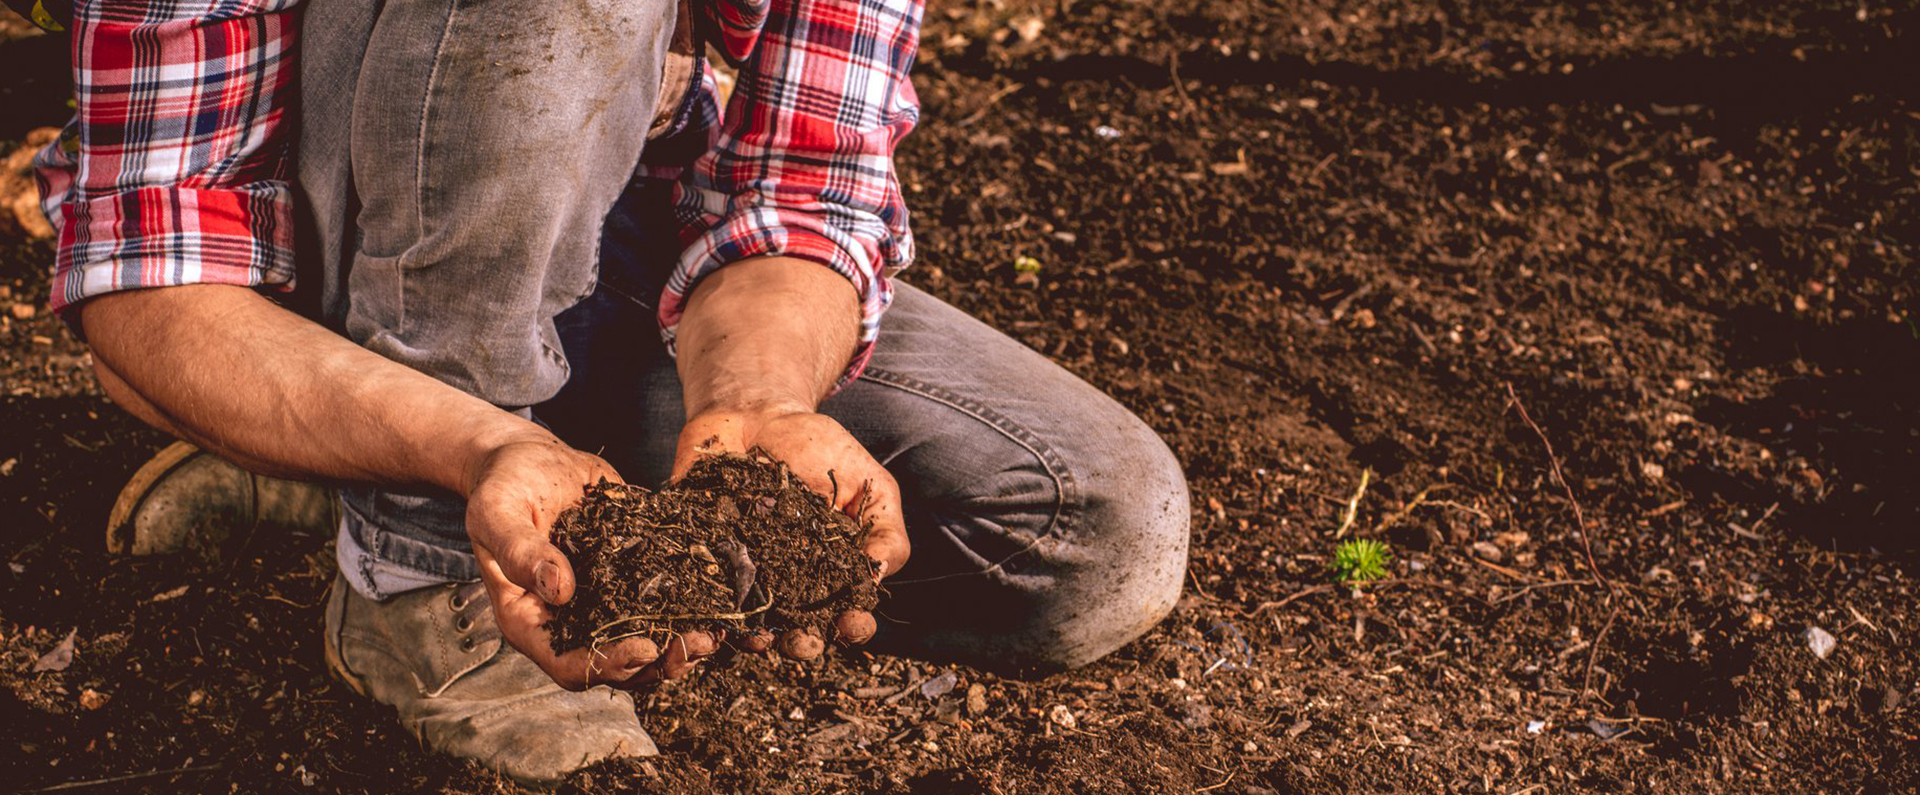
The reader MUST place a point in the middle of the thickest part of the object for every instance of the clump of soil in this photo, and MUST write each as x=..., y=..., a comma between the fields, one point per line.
x=739, y=542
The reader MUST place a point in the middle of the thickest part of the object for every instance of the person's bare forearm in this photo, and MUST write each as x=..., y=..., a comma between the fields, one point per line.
x=766, y=334
x=762, y=342
x=232, y=372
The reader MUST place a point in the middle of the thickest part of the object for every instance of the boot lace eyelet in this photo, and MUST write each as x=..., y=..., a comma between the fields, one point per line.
x=468, y=644
x=463, y=624
x=458, y=602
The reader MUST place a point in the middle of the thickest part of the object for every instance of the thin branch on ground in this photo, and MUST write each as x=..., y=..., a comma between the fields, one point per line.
x=1586, y=680
x=1301, y=594
x=96, y=782
x=1179, y=87
x=1553, y=459
x=1417, y=501
x=1353, y=505
x=1458, y=506
x=1518, y=575
x=1538, y=586
x=1586, y=543
x=990, y=103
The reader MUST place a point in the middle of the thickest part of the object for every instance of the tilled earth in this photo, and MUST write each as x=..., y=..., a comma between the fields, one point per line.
x=1305, y=241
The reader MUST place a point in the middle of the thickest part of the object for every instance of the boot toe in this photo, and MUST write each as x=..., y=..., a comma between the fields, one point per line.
x=544, y=738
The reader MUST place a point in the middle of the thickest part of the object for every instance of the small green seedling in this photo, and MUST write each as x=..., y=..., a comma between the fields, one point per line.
x=1358, y=561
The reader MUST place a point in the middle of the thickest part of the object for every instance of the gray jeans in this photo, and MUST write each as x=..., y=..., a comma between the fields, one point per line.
x=475, y=216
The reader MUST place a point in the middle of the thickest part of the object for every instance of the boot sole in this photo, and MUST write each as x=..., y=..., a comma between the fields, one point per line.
x=331, y=646
x=120, y=527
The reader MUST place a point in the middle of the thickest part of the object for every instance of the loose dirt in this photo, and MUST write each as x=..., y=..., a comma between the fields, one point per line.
x=1303, y=240
x=737, y=543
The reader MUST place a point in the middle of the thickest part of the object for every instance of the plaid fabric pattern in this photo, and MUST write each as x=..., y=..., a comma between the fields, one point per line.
x=803, y=165
x=177, y=164
x=180, y=174
x=736, y=26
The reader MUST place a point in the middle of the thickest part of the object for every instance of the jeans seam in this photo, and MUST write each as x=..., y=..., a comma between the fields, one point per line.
x=1066, y=487
x=420, y=191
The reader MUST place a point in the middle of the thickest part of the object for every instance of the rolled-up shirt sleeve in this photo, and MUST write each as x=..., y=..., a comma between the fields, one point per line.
x=174, y=169
x=803, y=163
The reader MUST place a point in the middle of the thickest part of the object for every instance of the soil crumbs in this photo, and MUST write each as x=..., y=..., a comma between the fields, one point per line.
x=1304, y=240
x=738, y=542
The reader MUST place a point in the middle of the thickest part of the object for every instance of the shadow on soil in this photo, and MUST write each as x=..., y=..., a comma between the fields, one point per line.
x=1847, y=407
x=1778, y=78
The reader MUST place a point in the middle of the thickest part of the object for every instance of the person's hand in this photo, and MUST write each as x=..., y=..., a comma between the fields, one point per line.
x=515, y=492
x=812, y=445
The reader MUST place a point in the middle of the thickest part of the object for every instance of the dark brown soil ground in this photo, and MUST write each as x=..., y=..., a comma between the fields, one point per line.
x=1304, y=240
x=738, y=543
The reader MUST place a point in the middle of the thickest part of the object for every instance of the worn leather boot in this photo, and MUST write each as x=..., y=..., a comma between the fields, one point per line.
x=436, y=656
x=189, y=500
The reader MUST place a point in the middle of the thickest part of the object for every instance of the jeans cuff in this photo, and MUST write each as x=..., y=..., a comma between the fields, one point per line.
x=381, y=564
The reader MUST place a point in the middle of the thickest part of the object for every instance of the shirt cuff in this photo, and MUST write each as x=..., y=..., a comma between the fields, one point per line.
x=769, y=231
x=170, y=236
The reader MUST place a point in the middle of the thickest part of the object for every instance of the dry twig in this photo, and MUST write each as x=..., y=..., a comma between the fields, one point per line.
x=1353, y=505
x=95, y=782
x=1417, y=501
x=1301, y=594
x=1579, y=515
x=1586, y=680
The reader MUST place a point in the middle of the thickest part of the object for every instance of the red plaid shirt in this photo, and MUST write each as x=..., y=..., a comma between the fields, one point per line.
x=175, y=168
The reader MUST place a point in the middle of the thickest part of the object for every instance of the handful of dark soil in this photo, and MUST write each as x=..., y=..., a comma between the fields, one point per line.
x=738, y=543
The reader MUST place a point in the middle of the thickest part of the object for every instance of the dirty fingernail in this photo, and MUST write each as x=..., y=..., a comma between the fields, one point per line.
x=546, y=578
x=642, y=653
x=700, y=645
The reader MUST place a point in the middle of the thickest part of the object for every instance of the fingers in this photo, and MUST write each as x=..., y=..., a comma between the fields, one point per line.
x=887, y=538
x=522, y=616
x=614, y=663
x=683, y=652
x=539, y=567
x=801, y=644
x=757, y=641
x=707, y=435
x=854, y=627
x=519, y=546
x=851, y=628
x=611, y=664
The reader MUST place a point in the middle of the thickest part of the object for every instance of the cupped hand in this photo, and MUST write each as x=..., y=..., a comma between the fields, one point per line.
x=513, y=496
x=832, y=463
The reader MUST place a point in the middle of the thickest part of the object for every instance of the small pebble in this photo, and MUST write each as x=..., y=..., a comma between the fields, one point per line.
x=1063, y=717
x=1819, y=641
x=1605, y=730
x=939, y=685
x=976, y=700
